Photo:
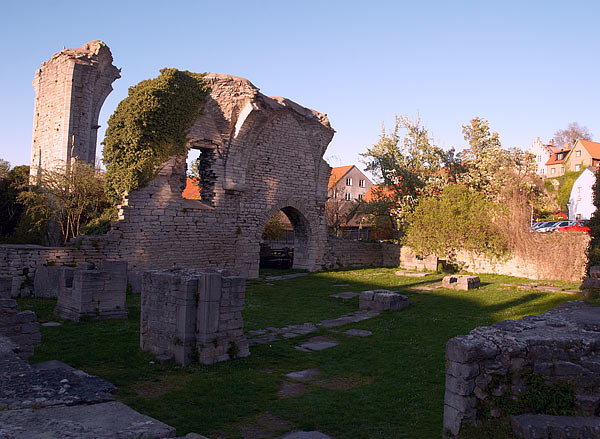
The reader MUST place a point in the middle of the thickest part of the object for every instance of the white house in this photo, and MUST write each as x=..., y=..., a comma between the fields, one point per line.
x=581, y=201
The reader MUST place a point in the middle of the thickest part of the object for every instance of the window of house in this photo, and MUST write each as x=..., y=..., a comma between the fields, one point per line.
x=578, y=167
x=543, y=171
x=361, y=183
x=349, y=181
x=553, y=171
x=577, y=153
x=579, y=193
x=348, y=197
x=360, y=196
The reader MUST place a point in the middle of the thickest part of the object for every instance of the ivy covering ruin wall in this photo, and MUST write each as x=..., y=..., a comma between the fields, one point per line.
x=149, y=126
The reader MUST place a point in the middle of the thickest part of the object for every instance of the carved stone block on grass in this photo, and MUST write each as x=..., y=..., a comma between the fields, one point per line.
x=382, y=300
x=461, y=282
x=92, y=291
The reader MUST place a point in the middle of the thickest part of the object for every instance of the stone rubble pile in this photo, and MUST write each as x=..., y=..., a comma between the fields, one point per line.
x=382, y=300
x=561, y=345
x=21, y=327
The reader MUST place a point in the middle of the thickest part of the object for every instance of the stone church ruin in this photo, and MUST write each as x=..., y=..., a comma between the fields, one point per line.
x=258, y=155
x=70, y=89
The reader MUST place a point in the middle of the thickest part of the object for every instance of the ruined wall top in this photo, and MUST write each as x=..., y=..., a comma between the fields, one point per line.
x=94, y=52
x=245, y=90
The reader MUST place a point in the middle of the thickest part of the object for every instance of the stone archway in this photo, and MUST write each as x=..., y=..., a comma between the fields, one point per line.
x=304, y=257
x=302, y=233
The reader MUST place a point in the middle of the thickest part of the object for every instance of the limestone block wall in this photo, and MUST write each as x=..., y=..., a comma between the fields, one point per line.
x=193, y=315
x=267, y=157
x=21, y=327
x=540, y=263
x=19, y=262
x=570, y=266
x=70, y=89
x=347, y=253
x=92, y=291
x=411, y=261
x=492, y=368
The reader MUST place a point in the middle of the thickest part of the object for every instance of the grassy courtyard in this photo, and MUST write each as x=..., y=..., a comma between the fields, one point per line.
x=388, y=385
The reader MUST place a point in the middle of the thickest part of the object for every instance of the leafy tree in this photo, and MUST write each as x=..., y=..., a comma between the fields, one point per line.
x=459, y=218
x=4, y=168
x=276, y=226
x=338, y=213
x=500, y=174
x=68, y=198
x=571, y=134
x=593, y=250
x=12, y=183
x=409, y=166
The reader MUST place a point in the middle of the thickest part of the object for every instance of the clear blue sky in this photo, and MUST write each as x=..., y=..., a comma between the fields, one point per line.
x=529, y=67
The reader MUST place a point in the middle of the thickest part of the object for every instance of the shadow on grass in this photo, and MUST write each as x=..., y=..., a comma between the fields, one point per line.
x=400, y=368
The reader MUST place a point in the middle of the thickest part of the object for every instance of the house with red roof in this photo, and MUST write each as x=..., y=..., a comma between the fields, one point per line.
x=348, y=183
x=555, y=166
x=584, y=154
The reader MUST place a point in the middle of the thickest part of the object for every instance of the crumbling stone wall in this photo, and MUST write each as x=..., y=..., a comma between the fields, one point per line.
x=94, y=291
x=21, y=327
x=265, y=155
x=489, y=369
x=193, y=315
x=70, y=89
x=20, y=262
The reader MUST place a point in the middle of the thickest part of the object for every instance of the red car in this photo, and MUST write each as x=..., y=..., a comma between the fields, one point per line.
x=579, y=226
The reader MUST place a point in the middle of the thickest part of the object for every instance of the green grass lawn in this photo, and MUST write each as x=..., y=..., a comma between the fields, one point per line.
x=388, y=385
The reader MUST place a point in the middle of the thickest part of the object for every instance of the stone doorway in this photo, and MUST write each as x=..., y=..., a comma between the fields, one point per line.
x=285, y=240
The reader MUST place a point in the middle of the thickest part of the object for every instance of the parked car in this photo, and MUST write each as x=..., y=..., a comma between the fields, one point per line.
x=579, y=226
x=538, y=224
x=561, y=224
x=547, y=226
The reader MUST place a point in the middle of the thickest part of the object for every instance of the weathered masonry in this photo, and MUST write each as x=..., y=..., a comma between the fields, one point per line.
x=258, y=155
x=70, y=89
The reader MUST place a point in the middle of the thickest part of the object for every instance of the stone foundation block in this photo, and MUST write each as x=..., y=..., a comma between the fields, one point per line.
x=188, y=314
x=382, y=300
x=461, y=282
x=92, y=291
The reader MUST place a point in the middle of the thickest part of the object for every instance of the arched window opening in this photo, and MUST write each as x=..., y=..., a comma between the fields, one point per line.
x=200, y=177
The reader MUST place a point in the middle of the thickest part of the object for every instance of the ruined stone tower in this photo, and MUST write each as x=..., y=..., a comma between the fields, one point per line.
x=70, y=89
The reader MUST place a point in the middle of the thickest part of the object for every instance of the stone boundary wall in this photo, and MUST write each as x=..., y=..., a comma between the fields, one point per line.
x=346, y=253
x=552, y=266
x=410, y=260
x=491, y=368
x=20, y=262
x=563, y=261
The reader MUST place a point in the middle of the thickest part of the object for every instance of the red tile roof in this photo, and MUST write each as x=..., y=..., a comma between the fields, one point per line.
x=192, y=190
x=592, y=147
x=553, y=158
x=377, y=192
x=336, y=174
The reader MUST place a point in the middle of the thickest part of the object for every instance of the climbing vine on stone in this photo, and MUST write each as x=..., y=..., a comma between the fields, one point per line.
x=148, y=127
x=593, y=251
